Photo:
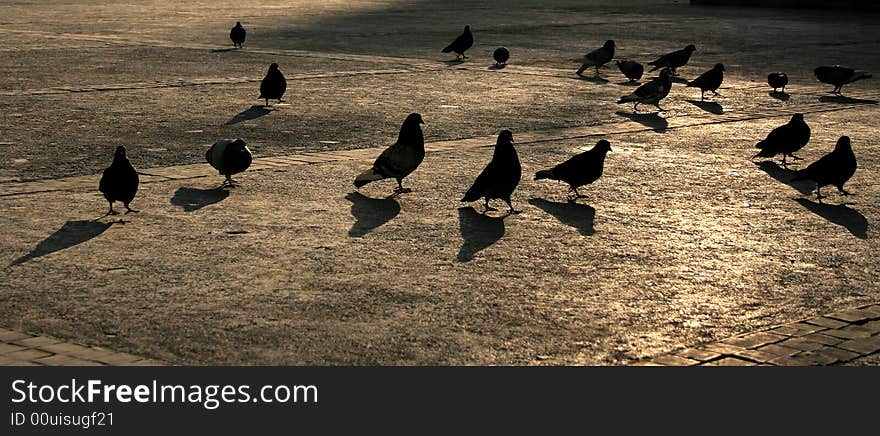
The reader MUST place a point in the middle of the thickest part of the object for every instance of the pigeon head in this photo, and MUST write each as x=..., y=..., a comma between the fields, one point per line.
x=120, y=153
x=413, y=119
x=603, y=145
x=238, y=24
x=719, y=67
x=843, y=144
x=238, y=144
x=609, y=43
x=505, y=137
x=797, y=117
x=467, y=28
x=690, y=47
x=273, y=67
x=665, y=74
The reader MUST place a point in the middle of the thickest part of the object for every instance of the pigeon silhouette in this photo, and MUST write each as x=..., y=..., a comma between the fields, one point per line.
x=674, y=60
x=461, y=44
x=631, y=69
x=273, y=85
x=652, y=92
x=119, y=182
x=501, y=55
x=237, y=35
x=785, y=139
x=228, y=157
x=708, y=81
x=579, y=170
x=598, y=57
x=500, y=177
x=777, y=80
x=401, y=158
x=839, y=76
x=834, y=168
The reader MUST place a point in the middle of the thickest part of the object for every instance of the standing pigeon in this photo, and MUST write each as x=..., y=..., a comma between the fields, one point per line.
x=777, y=80
x=652, y=92
x=631, y=69
x=580, y=170
x=839, y=76
x=273, y=85
x=834, y=168
x=401, y=158
x=785, y=139
x=119, y=181
x=501, y=55
x=228, y=157
x=673, y=60
x=598, y=57
x=237, y=35
x=461, y=44
x=500, y=177
x=709, y=81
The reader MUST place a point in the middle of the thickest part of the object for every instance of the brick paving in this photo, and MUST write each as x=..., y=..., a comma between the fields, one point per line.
x=22, y=349
x=836, y=338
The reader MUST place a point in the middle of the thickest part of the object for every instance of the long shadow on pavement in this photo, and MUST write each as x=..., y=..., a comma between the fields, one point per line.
x=191, y=199
x=251, y=113
x=785, y=175
x=652, y=120
x=779, y=95
x=708, y=106
x=370, y=212
x=72, y=233
x=844, y=100
x=579, y=216
x=479, y=232
x=839, y=214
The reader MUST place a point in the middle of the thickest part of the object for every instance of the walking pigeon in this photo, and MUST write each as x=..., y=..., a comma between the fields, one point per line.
x=228, y=157
x=834, y=168
x=652, y=92
x=839, y=76
x=581, y=169
x=631, y=69
x=237, y=35
x=461, y=44
x=777, y=80
x=708, y=81
x=673, y=60
x=500, y=177
x=273, y=85
x=598, y=57
x=119, y=182
x=785, y=139
x=401, y=158
x=501, y=55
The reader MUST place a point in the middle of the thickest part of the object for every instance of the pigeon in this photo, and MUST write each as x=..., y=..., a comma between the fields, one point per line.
x=119, y=181
x=708, y=81
x=501, y=55
x=273, y=85
x=598, y=57
x=228, y=157
x=839, y=76
x=237, y=35
x=785, y=139
x=401, y=158
x=461, y=44
x=777, y=80
x=580, y=170
x=834, y=168
x=673, y=60
x=631, y=69
x=500, y=177
x=651, y=92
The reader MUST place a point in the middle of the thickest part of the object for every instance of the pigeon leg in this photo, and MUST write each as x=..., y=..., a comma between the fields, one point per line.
x=636, y=107
x=229, y=182
x=129, y=209
x=716, y=93
x=111, y=211
x=843, y=191
x=819, y=195
x=660, y=108
x=702, y=95
x=400, y=189
x=795, y=157
x=486, y=206
x=784, y=164
x=267, y=102
x=512, y=211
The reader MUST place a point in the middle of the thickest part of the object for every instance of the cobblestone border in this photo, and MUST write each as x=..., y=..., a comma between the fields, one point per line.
x=831, y=339
x=22, y=349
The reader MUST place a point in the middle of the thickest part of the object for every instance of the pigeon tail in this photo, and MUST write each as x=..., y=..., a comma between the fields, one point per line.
x=472, y=194
x=544, y=174
x=628, y=99
x=447, y=49
x=367, y=176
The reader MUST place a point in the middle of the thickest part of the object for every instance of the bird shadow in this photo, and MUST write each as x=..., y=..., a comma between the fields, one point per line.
x=571, y=213
x=192, y=199
x=840, y=99
x=780, y=95
x=251, y=113
x=223, y=50
x=72, y=233
x=708, y=106
x=652, y=120
x=629, y=83
x=594, y=79
x=839, y=214
x=784, y=175
x=370, y=212
x=478, y=231
x=497, y=66
x=453, y=62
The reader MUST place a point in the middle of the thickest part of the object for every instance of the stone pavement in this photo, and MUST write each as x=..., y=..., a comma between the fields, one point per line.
x=22, y=349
